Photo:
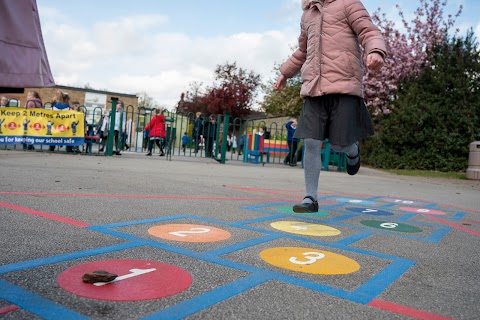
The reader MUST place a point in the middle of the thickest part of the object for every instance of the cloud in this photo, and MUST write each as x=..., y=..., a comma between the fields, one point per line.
x=134, y=54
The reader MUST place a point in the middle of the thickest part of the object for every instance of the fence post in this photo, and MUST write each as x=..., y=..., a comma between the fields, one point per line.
x=111, y=129
x=226, y=120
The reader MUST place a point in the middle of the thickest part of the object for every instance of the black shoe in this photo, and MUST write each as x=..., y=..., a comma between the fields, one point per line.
x=118, y=153
x=100, y=150
x=293, y=164
x=149, y=154
x=162, y=154
x=353, y=169
x=306, y=207
x=285, y=162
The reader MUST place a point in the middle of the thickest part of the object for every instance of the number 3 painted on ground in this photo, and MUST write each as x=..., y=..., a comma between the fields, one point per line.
x=191, y=231
x=310, y=256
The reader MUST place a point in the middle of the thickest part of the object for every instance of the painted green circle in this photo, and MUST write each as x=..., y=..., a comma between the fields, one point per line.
x=289, y=210
x=391, y=226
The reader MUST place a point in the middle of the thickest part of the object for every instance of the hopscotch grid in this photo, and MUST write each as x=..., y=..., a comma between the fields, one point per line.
x=363, y=294
x=435, y=237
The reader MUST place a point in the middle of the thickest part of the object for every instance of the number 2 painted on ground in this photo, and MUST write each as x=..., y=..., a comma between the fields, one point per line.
x=311, y=257
x=191, y=231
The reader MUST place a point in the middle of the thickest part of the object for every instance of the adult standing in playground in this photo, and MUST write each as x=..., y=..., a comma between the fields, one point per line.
x=331, y=65
x=197, y=129
x=120, y=122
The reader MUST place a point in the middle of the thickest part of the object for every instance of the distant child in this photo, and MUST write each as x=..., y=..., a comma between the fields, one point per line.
x=185, y=140
x=33, y=100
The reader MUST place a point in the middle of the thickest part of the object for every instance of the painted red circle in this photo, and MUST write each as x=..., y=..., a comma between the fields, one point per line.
x=143, y=280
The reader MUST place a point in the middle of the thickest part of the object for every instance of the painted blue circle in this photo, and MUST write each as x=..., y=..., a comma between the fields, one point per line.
x=354, y=201
x=371, y=211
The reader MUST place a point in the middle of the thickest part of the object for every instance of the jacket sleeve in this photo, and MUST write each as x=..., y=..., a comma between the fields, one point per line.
x=359, y=19
x=293, y=65
x=150, y=124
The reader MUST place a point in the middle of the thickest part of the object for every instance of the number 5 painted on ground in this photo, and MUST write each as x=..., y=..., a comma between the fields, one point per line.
x=191, y=231
x=311, y=257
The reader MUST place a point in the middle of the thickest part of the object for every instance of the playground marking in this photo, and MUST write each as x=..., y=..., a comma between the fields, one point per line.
x=355, y=201
x=404, y=310
x=423, y=211
x=45, y=215
x=138, y=280
x=391, y=226
x=308, y=260
x=189, y=233
x=289, y=210
x=371, y=211
x=451, y=224
x=130, y=196
x=8, y=309
x=304, y=228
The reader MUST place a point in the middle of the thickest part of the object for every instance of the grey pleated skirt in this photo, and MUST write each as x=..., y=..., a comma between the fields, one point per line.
x=343, y=119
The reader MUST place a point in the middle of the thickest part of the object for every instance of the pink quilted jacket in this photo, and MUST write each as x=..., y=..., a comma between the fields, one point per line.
x=329, y=54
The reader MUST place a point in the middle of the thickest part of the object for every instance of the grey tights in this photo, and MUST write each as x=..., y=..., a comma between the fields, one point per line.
x=313, y=163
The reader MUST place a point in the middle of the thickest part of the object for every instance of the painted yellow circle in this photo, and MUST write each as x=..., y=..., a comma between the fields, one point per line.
x=305, y=228
x=308, y=260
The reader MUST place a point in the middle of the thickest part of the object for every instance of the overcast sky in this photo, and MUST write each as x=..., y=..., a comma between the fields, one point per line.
x=161, y=46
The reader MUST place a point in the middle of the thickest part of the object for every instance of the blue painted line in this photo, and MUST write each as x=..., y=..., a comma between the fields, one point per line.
x=429, y=206
x=382, y=280
x=375, y=198
x=459, y=216
x=341, y=218
x=435, y=237
x=439, y=234
x=208, y=299
x=243, y=245
x=64, y=257
x=388, y=205
x=405, y=217
x=259, y=220
x=131, y=223
x=336, y=292
x=35, y=304
x=334, y=206
x=352, y=239
x=273, y=204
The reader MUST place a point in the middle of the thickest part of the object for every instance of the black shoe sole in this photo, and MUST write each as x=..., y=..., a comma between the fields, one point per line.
x=305, y=208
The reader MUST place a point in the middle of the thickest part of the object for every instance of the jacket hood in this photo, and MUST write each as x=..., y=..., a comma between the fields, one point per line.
x=306, y=4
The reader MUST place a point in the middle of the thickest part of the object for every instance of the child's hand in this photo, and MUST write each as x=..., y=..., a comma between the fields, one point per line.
x=281, y=83
x=375, y=61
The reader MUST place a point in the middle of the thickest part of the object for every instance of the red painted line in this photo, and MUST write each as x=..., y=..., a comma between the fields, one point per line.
x=44, y=215
x=460, y=208
x=8, y=309
x=125, y=196
x=407, y=311
x=451, y=224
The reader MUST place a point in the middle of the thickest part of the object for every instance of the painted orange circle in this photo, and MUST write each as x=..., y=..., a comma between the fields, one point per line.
x=189, y=233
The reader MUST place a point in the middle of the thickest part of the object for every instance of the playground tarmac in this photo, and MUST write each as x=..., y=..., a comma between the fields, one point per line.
x=194, y=239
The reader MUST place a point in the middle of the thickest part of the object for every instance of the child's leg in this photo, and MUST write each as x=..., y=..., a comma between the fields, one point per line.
x=351, y=151
x=313, y=165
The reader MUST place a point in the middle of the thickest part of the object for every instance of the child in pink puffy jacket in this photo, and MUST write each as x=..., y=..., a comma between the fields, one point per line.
x=330, y=60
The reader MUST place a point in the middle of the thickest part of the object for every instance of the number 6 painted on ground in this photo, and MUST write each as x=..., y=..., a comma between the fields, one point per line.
x=311, y=257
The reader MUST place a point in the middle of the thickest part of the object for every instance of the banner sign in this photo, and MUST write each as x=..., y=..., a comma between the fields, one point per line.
x=41, y=127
